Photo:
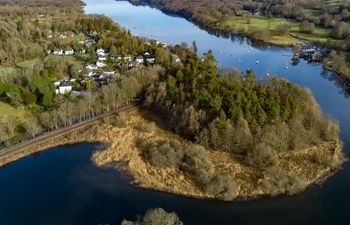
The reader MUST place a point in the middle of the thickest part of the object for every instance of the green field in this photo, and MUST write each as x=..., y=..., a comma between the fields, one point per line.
x=242, y=24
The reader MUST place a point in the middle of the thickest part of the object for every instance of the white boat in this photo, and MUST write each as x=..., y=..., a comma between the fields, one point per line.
x=257, y=61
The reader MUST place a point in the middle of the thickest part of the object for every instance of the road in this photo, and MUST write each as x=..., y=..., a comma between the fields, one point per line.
x=23, y=146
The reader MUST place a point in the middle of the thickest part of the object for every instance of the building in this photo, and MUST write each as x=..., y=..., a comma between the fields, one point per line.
x=151, y=60
x=64, y=88
x=100, y=64
x=58, y=52
x=139, y=60
x=91, y=67
x=101, y=52
x=69, y=52
x=109, y=72
x=102, y=59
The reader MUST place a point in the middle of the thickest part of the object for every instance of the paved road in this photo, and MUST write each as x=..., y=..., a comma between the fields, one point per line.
x=22, y=147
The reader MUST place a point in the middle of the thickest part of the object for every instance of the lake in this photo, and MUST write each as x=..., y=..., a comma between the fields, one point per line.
x=61, y=186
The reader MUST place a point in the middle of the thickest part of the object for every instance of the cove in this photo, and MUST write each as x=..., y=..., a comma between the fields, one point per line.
x=62, y=187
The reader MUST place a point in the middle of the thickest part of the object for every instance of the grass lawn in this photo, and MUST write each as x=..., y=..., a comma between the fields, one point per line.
x=243, y=24
x=28, y=64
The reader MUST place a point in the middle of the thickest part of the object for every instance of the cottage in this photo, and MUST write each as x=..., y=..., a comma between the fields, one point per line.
x=101, y=52
x=139, y=60
x=109, y=72
x=69, y=52
x=100, y=64
x=90, y=41
x=102, y=58
x=58, y=52
x=64, y=88
x=151, y=60
x=91, y=67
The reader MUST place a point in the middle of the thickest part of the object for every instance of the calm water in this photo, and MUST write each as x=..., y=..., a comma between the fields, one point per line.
x=62, y=187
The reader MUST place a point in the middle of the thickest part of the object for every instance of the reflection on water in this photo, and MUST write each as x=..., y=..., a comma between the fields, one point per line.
x=338, y=81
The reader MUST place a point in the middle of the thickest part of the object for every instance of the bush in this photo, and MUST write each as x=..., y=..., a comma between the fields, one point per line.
x=282, y=29
x=118, y=121
x=278, y=182
x=156, y=217
x=193, y=161
x=147, y=128
x=262, y=156
x=307, y=27
x=162, y=154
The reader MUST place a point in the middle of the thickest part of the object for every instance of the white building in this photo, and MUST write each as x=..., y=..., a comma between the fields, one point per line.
x=139, y=60
x=101, y=52
x=58, y=52
x=102, y=58
x=91, y=67
x=109, y=72
x=64, y=88
x=151, y=60
x=69, y=52
x=100, y=64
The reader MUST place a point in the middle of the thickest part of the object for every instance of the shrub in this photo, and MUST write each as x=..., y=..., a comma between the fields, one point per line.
x=161, y=154
x=307, y=27
x=156, y=217
x=262, y=156
x=192, y=160
x=278, y=181
x=147, y=128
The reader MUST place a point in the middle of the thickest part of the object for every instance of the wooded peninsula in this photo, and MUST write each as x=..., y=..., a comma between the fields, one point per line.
x=200, y=132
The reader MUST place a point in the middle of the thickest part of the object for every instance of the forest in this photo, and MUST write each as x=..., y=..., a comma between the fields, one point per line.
x=238, y=114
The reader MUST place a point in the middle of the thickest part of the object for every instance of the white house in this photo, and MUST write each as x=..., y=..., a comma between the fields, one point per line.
x=64, y=88
x=69, y=52
x=151, y=60
x=101, y=52
x=139, y=60
x=146, y=54
x=102, y=58
x=100, y=64
x=58, y=52
x=109, y=72
x=91, y=67
x=56, y=83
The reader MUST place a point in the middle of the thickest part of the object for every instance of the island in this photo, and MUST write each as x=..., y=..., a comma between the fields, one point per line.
x=192, y=130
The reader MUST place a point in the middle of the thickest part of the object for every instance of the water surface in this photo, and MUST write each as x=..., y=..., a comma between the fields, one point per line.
x=62, y=187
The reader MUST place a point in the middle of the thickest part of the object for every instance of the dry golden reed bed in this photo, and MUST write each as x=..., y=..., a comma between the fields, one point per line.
x=123, y=151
